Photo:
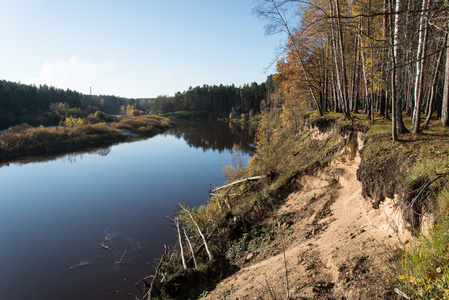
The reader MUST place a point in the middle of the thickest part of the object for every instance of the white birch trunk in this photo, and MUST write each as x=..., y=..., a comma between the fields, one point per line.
x=200, y=232
x=191, y=248
x=418, y=75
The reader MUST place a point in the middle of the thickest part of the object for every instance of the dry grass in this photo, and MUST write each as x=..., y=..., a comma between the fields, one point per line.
x=144, y=125
x=42, y=140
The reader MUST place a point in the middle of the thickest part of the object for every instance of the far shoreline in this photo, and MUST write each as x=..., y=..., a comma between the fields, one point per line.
x=24, y=141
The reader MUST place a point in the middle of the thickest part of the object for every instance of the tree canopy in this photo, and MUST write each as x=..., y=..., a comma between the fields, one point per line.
x=386, y=57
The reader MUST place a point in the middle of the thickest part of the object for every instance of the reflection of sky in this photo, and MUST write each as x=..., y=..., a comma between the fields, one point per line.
x=54, y=214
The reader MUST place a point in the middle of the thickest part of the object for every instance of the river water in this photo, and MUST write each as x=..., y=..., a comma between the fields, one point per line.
x=55, y=212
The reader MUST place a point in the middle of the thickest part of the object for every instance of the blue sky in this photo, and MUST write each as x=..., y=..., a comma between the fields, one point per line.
x=134, y=48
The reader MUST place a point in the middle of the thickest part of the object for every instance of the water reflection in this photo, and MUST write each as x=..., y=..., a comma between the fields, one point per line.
x=71, y=157
x=216, y=136
x=57, y=211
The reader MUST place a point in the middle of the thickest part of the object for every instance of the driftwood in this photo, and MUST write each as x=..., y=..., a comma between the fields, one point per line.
x=121, y=258
x=401, y=293
x=199, y=231
x=104, y=246
x=237, y=182
x=104, y=242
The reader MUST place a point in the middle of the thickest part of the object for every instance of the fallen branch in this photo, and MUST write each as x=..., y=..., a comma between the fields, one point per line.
x=150, y=290
x=121, y=258
x=105, y=241
x=421, y=191
x=144, y=282
x=238, y=182
x=81, y=264
x=401, y=293
x=105, y=246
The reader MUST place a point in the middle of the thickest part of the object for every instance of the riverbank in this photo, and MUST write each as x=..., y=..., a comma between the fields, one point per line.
x=24, y=140
x=319, y=223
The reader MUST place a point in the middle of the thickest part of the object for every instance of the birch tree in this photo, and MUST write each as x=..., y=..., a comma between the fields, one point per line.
x=419, y=65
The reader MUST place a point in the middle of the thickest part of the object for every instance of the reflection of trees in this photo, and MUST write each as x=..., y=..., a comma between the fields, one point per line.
x=218, y=136
x=103, y=151
x=71, y=157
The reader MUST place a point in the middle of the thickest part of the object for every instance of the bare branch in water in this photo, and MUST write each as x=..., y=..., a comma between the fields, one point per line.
x=121, y=258
x=83, y=263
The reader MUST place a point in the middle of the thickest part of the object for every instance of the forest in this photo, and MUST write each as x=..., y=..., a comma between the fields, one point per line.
x=21, y=103
x=219, y=100
x=381, y=57
x=368, y=70
x=44, y=105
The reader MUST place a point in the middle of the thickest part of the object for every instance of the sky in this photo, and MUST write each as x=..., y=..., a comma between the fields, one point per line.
x=134, y=48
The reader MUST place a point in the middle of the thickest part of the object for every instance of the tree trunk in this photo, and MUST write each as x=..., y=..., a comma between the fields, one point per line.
x=184, y=265
x=432, y=91
x=445, y=107
x=393, y=77
x=343, y=61
x=191, y=248
x=420, y=53
x=200, y=232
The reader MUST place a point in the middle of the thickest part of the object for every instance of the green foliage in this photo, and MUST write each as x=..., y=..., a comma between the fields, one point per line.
x=227, y=293
x=230, y=171
x=203, y=294
x=100, y=115
x=254, y=241
x=181, y=114
x=424, y=273
x=21, y=103
x=429, y=159
x=379, y=129
x=418, y=157
x=229, y=101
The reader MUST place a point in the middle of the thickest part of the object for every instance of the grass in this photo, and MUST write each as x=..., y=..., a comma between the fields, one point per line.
x=424, y=273
x=48, y=140
x=143, y=125
x=283, y=154
x=24, y=140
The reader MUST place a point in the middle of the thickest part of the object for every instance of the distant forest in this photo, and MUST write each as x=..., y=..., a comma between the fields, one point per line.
x=217, y=99
x=44, y=105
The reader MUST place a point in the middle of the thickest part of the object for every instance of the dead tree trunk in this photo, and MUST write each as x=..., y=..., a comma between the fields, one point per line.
x=199, y=231
x=191, y=248
x=176, y=221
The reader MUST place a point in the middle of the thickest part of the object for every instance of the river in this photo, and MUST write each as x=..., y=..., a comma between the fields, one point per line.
x=56, y=212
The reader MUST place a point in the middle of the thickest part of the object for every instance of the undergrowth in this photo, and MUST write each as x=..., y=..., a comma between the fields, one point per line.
x=236, y=220
x=424, y=273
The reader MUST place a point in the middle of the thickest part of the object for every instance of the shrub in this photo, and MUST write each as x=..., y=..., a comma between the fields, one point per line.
x=100, y=115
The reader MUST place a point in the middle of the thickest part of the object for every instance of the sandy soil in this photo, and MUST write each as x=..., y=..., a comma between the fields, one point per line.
x=334, y=245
